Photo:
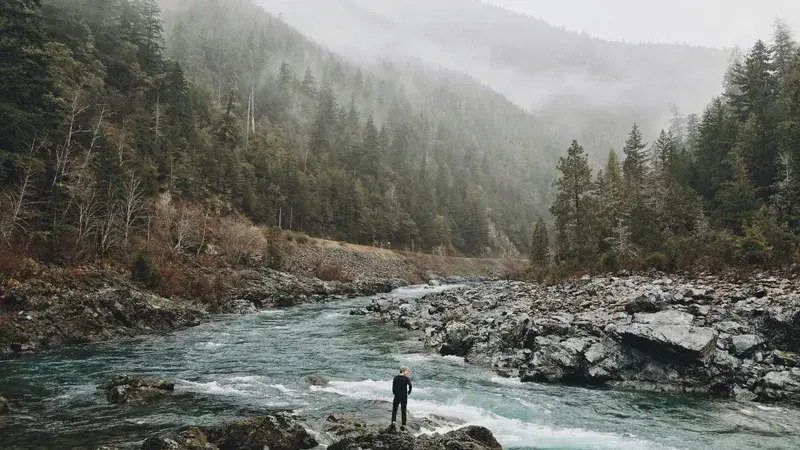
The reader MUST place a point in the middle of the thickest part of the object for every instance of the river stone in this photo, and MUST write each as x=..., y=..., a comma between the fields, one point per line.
x=644, y=304
x=467, y=438
x=128, y=389
x=781, y=386
x=4, y=409
x=458, y=339
x=744, y=344
x=278, y=431
x=683, y=341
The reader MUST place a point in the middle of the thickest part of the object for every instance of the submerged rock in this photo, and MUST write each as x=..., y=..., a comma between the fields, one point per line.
x=134, y=390
x=4, y=409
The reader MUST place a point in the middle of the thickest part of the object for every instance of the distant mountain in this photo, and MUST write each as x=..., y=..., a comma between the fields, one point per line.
x=584, y=88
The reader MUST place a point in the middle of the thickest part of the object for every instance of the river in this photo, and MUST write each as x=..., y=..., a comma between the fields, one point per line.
x=237, y=366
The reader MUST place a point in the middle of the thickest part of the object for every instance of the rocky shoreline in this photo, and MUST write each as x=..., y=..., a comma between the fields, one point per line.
x=282, y=430
x=286, y=431
x=705, y=335
x=37, y=315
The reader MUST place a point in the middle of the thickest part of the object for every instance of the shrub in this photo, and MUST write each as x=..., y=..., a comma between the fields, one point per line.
x=274, y=254
x=657, y=261
x=143, y=271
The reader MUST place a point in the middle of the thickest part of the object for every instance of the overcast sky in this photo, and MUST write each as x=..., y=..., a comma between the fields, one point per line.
x=718, y=23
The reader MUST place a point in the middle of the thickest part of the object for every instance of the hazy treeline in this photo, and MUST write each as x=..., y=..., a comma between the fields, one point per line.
x=717, y=189
x=103, y=111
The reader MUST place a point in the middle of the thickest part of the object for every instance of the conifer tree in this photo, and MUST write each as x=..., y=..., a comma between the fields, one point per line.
x=540, y=244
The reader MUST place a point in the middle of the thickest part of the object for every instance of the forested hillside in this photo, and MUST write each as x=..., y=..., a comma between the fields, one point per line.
x=715, y=190
x=584, y=88
x=107, y=118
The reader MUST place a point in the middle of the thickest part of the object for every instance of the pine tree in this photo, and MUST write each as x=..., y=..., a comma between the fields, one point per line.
x=540, y=244
x=635, y=165
x=573, y=206
x=736, y=199
x=27, y=106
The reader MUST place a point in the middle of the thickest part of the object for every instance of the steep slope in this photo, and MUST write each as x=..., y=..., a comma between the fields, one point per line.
x=448, y=163
x=583, y=87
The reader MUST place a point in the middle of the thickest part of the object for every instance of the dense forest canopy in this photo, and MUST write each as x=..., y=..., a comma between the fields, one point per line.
x=717, y=189
x=582, y=87
x=115, y=113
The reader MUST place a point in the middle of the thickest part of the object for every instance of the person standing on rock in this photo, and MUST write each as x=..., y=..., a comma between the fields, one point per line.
x=399, y=385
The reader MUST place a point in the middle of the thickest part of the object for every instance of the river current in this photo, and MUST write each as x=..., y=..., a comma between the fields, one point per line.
x=238, y=366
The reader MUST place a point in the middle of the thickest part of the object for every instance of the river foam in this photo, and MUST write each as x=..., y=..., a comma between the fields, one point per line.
x=512, y=433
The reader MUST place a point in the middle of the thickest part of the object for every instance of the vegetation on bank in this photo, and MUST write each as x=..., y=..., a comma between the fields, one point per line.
x=715, y=191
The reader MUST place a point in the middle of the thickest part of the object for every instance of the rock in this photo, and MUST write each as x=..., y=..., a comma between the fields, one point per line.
x=467, y=438
x=4, y=408
x=781, y=386
x=458, y=339
x=644, y=304
x=314, y=380
x=683, y=342
x=278, y=431
x=359, y=312
x=128, y=389
x=745, y=344
x=788, y=359
x=190, y=439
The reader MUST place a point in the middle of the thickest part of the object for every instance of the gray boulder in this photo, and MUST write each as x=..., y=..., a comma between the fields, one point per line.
x=781, y=385
x=458, y=339
x=644, y=304
x=278, y=431
x=134, y=390
x=682, y=342
x=745, y=344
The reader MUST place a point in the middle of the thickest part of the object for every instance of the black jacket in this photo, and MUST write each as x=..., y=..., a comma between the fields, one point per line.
x=399, y=386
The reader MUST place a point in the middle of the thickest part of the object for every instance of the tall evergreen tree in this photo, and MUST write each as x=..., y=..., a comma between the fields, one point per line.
x=573, y=207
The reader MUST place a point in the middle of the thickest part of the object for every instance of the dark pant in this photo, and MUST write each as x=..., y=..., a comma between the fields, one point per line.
x=403, y=402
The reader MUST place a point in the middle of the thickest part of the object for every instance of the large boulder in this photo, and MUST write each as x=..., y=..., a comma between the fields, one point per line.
x=278, y=431
x=669, y=335
x=745, y=344
x=458, y=339
x=644, y=304
x=467, y=438
x=780, y=386
x=558, y=361
x=134, y=390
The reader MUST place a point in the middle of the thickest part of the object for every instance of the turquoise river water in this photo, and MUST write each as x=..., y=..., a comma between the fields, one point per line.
x=237, y=366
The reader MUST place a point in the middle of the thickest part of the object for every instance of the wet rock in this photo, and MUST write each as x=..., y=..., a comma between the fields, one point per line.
x=278, y=431
x=190, y=439
x=134, y=390
x=781, y=386
x=359, y=312
x=458, y=339
x=314, y=380
x=745, y=344
x=4, y=408
x=467, y=438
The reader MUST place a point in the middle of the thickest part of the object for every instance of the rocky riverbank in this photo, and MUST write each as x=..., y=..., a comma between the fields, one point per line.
x=285, y=431
x=705, y=335
x=36, y=314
